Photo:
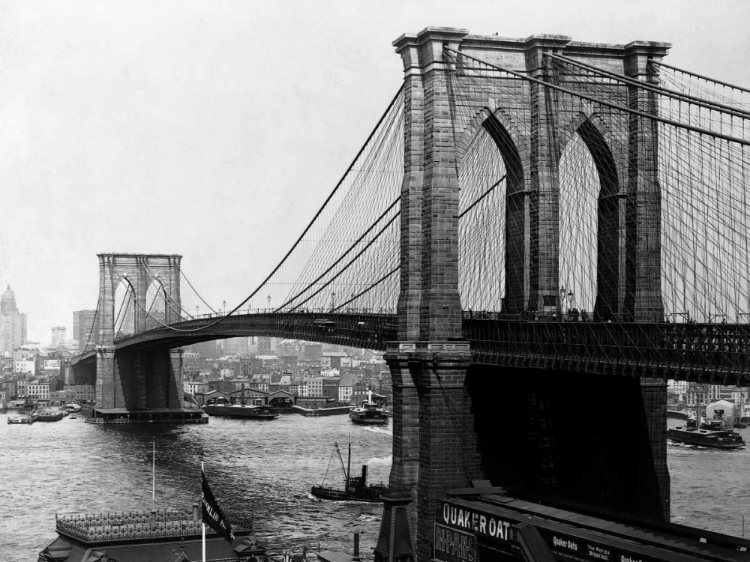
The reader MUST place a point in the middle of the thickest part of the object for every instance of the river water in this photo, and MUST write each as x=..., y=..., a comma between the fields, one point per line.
x=266, y=468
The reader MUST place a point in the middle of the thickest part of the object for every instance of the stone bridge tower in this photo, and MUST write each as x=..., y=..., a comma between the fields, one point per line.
x=137, y=379
x=437, y=427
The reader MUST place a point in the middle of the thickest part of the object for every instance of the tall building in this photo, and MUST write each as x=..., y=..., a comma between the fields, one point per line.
x=236, y=346
x=12, y=323
x=58, y=336
x=83, y=325
x=264, y=344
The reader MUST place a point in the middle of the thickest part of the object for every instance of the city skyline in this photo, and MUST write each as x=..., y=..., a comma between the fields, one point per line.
x=215, y=131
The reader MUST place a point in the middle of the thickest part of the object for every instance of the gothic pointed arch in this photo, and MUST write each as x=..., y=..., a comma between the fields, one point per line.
x=156, y=304
x=508, y=249
x=605, y=224
x=124, y=307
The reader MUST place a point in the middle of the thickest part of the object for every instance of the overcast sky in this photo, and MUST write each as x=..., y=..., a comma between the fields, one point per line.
x=215, y=128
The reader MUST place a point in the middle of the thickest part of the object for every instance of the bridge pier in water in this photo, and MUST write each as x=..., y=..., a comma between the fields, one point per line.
x=135, y=380
x=584, y=438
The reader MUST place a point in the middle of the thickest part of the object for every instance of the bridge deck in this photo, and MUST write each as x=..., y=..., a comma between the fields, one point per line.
x=706, y=353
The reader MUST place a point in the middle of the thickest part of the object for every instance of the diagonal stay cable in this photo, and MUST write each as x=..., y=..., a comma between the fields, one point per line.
x=196, y=291
x=334, y=264
x=485, y=194
x=93, y=326
x=307, y=228
x=353, y=260
x=370, y=288
x=168, y=302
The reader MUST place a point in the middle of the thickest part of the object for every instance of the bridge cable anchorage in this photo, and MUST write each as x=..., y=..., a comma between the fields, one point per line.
x=704, y=236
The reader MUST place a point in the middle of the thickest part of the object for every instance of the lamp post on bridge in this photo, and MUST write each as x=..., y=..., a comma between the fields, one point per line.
x=333, y=300
x=562, y=300
x=268, y=298
x=571, y=300
x=225, y=307
x=196, y=311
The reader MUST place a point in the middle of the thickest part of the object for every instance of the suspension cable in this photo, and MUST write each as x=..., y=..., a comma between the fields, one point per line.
x=307, y=228
x=603, y=102
x=740, y=88
x=657, y=89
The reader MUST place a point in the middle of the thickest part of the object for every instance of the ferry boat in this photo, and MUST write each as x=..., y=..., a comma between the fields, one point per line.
x=355, y=487
x=369, y=412
x=712, y=434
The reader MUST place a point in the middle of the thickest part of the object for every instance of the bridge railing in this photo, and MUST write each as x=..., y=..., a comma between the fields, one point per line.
x=656, y=349
x=358, y=329
x=243, y=312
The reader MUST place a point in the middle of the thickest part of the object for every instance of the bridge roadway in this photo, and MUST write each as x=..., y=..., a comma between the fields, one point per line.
x=705, y=353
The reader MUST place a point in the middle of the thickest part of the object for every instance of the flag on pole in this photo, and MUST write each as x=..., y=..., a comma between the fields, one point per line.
x=213, y=516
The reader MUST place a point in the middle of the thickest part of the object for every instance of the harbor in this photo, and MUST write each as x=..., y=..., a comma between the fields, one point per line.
x=265, y=469
x=251, y=473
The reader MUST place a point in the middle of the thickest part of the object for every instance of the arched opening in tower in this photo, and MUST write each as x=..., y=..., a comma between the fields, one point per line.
x=124, y=311
x=156, y=305
x=491, y=247
x=591, y=228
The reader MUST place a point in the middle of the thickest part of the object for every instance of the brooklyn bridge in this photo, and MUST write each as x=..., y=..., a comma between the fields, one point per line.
x=533, y=226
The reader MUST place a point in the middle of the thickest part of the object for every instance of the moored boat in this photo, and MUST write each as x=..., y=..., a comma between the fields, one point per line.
x=245, y=412
x=49, y=415
x=204, y=533
x=369, y=412
x=144, y=535
x=355, y=487
x=21, y=420
x=712, y=434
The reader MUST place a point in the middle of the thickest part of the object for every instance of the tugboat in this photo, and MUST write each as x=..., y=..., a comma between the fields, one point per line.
x=369, y=413
x=355, y=487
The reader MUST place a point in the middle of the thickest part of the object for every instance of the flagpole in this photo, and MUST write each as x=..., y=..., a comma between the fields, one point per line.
x=153, y=476
x=203, y=523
